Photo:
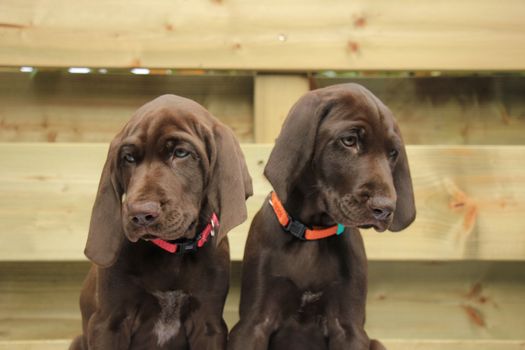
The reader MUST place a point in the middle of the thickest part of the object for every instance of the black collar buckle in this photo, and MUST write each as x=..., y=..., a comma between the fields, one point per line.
x=296, y=228
x=188, y=246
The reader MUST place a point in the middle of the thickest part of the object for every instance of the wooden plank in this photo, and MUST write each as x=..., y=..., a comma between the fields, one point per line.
x=35, y=344
x=470, y=202
x=398, y=344
x=39, y=301
x=62, y=107
x=274, y=96
x=391, y=344
x=484, y=110
x=275, y=35
x=455, y=302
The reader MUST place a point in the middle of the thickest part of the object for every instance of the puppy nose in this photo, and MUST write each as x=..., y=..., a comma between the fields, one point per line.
x=143, y=214
x=381, y=213
x=382, y=208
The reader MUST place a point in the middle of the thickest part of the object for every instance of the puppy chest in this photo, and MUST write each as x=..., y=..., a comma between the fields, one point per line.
x=173, y=305
x=308, y=266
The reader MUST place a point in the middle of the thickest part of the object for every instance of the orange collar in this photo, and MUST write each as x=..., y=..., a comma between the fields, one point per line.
x=297, y=228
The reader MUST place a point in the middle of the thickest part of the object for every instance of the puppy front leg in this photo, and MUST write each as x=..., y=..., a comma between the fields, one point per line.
x=275, y=302
x=376, y=345
x=109, y=332
x=254, y=332
x=344, y=336
x=205, y=333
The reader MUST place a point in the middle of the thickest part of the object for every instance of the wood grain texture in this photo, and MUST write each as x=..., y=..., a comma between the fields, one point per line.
x=466, y=110
x=273, y=98
x=391, y=344
x=456, y=303
x=62, y=107
x=270, y=35
x=470, y=202
x=452, y=300
x=399, y=344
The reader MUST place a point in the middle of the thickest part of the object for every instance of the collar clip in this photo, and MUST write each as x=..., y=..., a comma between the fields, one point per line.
x=296, y=228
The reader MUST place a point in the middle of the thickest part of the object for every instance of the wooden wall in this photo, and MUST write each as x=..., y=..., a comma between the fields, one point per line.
x=451, y=71
x=459, y=262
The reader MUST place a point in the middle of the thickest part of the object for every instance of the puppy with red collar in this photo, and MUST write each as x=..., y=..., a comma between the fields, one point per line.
x=174, y=183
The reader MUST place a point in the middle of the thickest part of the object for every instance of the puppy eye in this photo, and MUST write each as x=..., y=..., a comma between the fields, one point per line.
x=393, y=154
x=349, y=141
x=129, y=158
x=180, y=153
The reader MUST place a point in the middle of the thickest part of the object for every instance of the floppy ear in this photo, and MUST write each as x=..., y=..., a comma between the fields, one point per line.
x=405, y=212
x=294, y=147
x=105, y=229
x=230, y=183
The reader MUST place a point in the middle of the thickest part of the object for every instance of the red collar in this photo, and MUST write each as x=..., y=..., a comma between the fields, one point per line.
x=297, y=228
x=190, y=245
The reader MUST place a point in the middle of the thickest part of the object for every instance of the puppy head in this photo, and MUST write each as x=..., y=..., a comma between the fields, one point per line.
x=348, y=140
x=167, y=171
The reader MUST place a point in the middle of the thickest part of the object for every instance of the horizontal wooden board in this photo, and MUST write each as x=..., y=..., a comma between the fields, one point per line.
x=398, y=344
x=470, y=202
x=391, y=344
x=270, y=35
x=456, y=303
x=62, y=107
x=465, y=110
x=460, y=300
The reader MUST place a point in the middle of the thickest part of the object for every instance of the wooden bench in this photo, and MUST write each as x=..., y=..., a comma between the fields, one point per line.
x=454, y=280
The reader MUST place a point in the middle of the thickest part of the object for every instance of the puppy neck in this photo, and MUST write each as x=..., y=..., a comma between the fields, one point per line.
x=305, y=203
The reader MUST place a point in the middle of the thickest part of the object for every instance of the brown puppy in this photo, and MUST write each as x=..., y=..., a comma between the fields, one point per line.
x=167, y=172
x=340, y=159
